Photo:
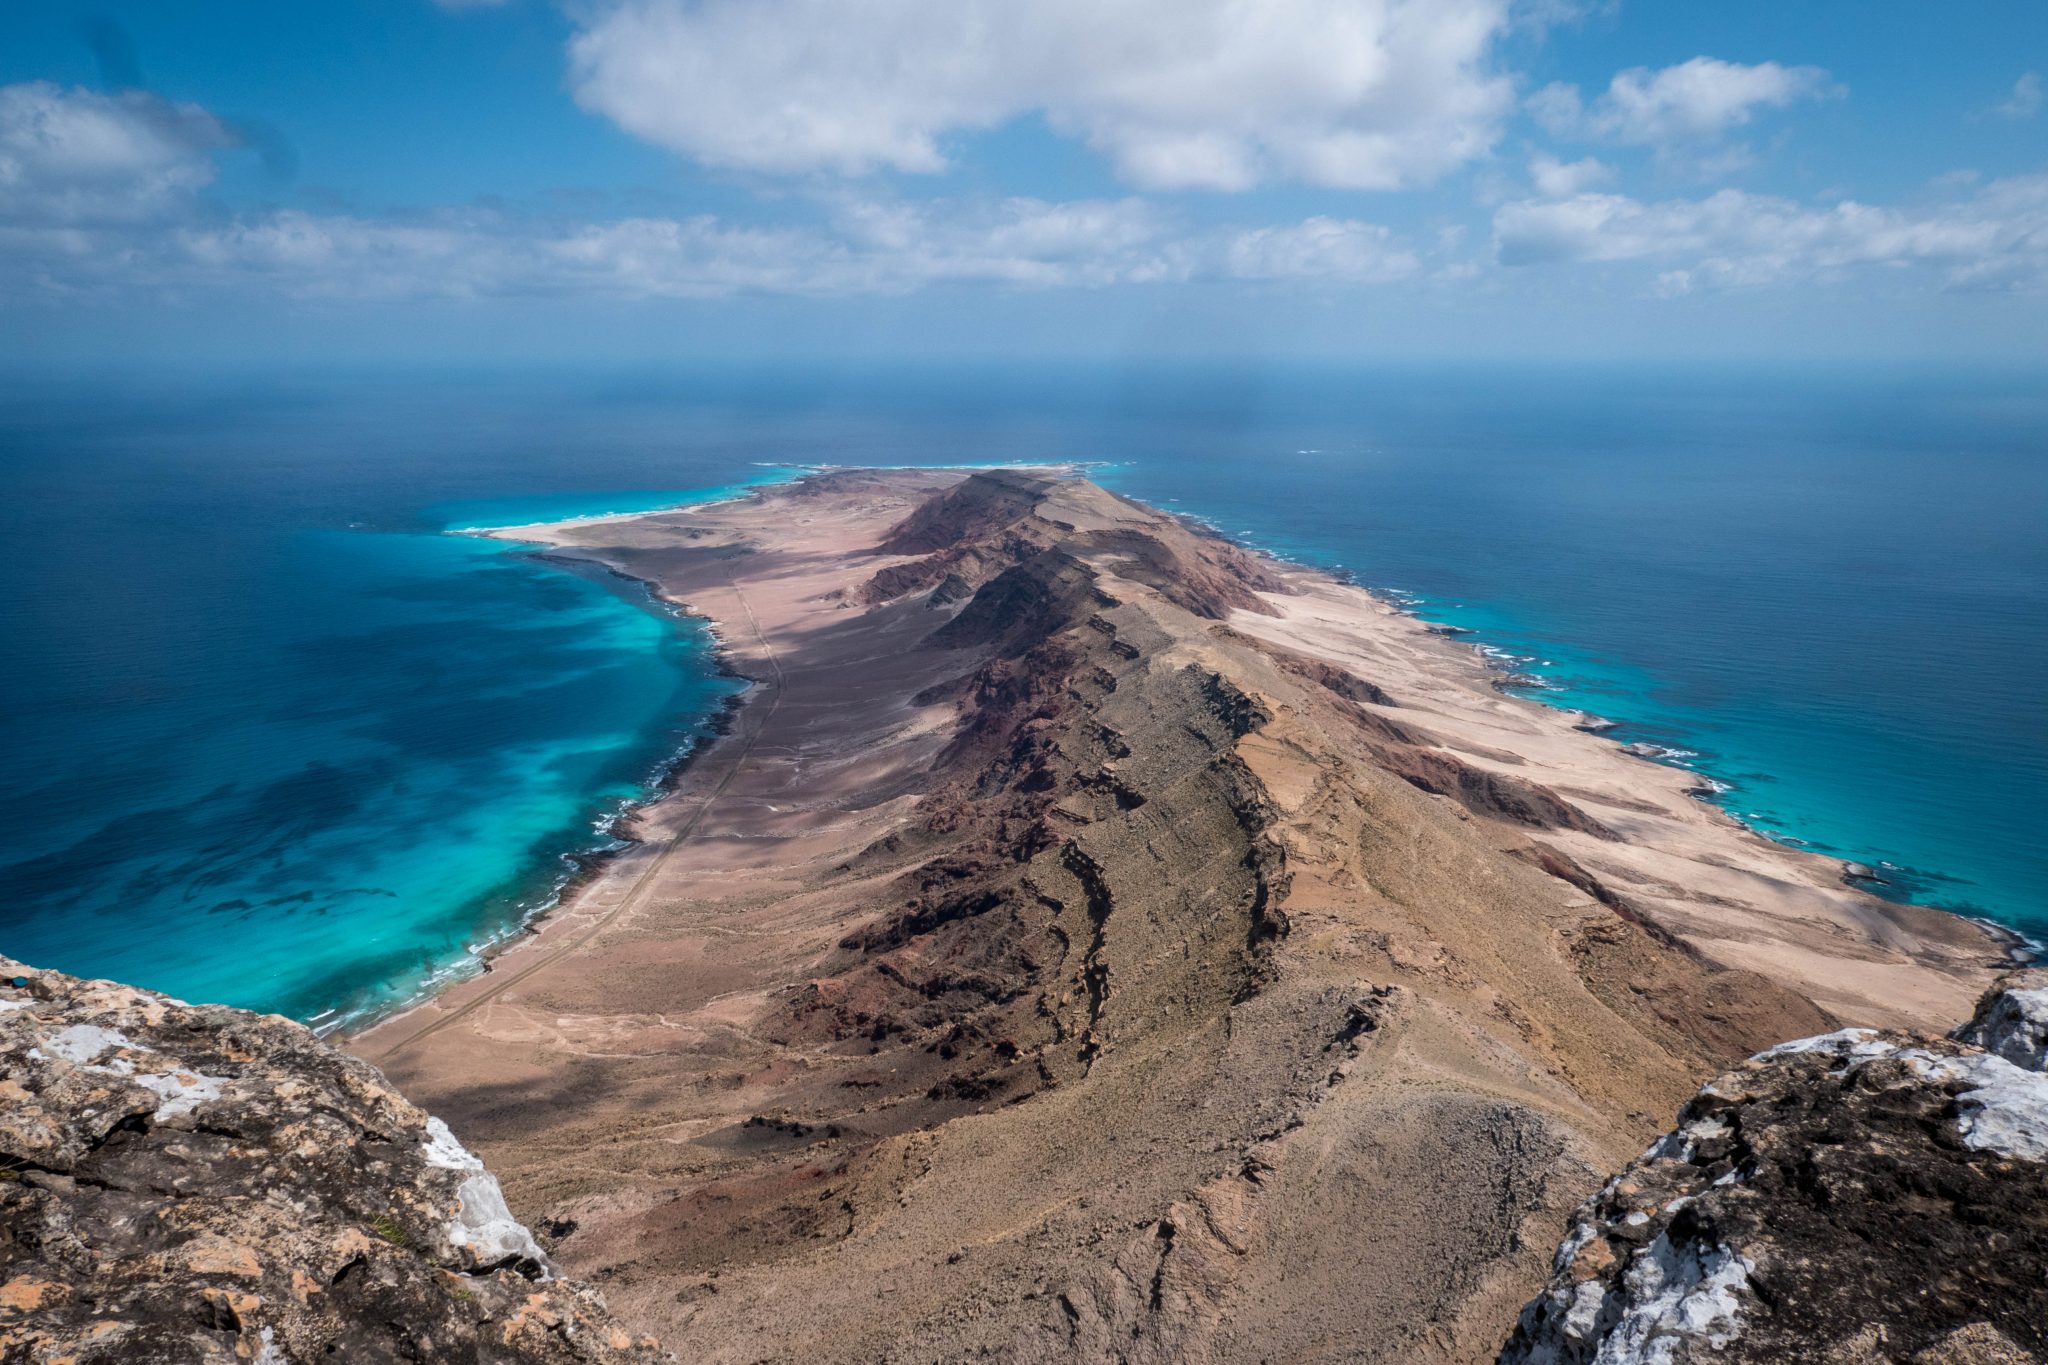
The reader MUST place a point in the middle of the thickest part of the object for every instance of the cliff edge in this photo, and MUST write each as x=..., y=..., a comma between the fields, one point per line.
x=202, y=1184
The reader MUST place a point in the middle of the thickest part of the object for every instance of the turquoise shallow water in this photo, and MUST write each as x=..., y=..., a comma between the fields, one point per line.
x=272, y=737
x=406, y=764
x=499, y=512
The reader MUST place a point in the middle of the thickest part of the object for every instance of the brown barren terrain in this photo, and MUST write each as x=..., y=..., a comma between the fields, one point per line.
x=1095, y=941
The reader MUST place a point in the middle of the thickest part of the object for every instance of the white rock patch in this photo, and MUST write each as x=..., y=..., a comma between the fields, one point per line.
x=483, y=1225
x=2005, y=1109
x=1849, y=1044
x=446, y=1152
x=83, y=1044
x=2015, y=1026
x=1675, y=1295
x=1683, y=1144
x=178, y=1091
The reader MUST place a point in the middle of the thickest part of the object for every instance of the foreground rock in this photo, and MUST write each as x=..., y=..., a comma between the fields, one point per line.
x=194, y=1185
x=1859, y=1198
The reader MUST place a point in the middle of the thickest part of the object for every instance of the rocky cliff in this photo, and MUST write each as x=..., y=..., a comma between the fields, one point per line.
x=1857, y=1198
x=200, y=1184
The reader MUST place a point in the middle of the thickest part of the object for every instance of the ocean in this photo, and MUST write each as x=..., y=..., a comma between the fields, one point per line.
x=273, y=736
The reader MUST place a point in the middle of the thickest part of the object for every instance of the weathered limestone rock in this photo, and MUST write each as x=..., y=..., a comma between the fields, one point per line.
x=1860, y=1198
x=201, y=1184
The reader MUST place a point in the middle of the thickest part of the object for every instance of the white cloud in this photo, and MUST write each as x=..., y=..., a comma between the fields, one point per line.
x=100, y=195
x=2025, y=100
x=1995, y=238
x=1337, y=251
x=1693, y=102
x=1556, y=179
x=869, y=249
x=1214, y=94
x=1015, y=241
x=865, y=247
x=75, y=156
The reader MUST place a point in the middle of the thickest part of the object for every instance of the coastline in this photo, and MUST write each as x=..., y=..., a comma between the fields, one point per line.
x=1068, y=873
x=672, y=774
x=589, y=868
x=542, y=894
x=668, y=776
x=2020, y=948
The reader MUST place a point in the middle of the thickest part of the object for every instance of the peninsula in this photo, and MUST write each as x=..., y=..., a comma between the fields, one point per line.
x=1095, y=940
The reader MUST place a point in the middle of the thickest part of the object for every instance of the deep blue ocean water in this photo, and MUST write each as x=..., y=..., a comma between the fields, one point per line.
x=273, y=737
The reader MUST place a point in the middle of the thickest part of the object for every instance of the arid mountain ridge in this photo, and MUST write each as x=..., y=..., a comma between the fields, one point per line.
x=1099, y=941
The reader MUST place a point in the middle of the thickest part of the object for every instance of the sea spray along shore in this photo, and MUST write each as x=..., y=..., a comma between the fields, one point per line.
x=1233, y=910
x=1552, y=687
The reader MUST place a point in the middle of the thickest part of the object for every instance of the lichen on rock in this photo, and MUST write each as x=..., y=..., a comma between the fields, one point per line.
x=201, y=1184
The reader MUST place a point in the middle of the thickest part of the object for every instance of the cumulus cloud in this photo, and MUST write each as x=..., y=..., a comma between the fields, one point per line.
x=1212, y=94
x=863, y=247
x=70, y=156
x=1994, y=238
x=1694, y=102
x=100, y=193
x=2026, y=97
x=1556, y=179
x=1342, y=251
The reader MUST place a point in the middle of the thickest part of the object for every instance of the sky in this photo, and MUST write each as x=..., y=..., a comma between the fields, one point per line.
x=608, y=180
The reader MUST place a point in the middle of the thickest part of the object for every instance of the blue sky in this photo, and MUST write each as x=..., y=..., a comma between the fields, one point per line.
x=1333, y=179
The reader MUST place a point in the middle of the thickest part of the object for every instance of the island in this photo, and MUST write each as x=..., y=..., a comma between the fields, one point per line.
x=1093, y=939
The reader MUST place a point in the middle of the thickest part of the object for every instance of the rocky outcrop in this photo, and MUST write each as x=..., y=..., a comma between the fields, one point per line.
x=979, y=507
x=1484, y=792
x=1858, y=1198
x=2012, y=1020
x=1023, y=605
x=201, y=1184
